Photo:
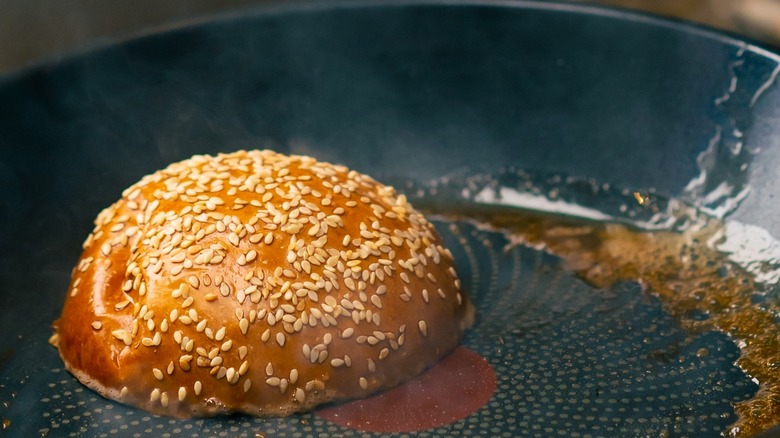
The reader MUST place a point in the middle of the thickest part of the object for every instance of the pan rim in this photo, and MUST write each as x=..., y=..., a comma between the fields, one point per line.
x=280, y=7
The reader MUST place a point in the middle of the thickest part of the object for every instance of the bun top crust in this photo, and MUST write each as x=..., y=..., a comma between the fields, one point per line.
x=261, y=283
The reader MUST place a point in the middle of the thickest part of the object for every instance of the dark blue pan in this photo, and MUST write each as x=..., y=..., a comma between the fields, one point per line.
x=409, y=93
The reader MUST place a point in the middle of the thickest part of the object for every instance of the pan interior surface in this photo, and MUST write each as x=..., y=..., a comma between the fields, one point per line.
x=482, y=114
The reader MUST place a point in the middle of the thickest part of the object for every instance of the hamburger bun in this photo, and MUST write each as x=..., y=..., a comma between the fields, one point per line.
x=260, y=283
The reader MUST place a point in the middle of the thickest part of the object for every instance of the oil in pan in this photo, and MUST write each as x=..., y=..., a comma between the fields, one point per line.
x=714, y=279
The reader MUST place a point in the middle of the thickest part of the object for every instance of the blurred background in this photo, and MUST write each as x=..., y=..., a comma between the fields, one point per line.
x=31, y=30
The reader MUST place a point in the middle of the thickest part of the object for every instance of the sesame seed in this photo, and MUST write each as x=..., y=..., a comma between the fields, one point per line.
x=194, y=282
x=231, y=375
x=184, y=362
x=423, y=326
x=182, y=393
x=123, y=336
x=97, y=325
x=158, y=374
x=164, y=399
x=363, y=383
x=184, y=289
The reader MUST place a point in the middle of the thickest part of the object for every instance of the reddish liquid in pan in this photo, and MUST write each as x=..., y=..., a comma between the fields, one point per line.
x=457, y=386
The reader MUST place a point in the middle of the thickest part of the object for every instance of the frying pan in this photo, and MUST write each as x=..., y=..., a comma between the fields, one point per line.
x=415, y=94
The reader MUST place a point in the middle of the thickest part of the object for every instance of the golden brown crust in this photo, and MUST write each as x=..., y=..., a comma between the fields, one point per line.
x=261, y=283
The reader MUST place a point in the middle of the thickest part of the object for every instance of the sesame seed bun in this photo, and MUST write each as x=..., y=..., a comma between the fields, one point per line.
x=260, y=283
